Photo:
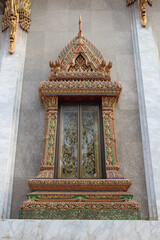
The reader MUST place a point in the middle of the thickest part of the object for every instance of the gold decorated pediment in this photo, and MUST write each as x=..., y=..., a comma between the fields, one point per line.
x=80, y=69
x=80, y=55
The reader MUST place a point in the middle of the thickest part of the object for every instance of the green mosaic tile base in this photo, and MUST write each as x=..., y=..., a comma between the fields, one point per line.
x=80, y=214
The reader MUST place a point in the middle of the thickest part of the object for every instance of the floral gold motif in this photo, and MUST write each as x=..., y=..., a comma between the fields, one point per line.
x=111, y=159
x=80, y=196
x=49, y=141
x=80, y=205
x=80, y=87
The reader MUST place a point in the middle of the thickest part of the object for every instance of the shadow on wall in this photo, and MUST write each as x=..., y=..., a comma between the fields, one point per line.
x=2, y=6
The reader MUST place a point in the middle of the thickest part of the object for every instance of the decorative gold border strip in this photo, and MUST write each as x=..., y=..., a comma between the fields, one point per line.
x=128, y=205
x=80, y=185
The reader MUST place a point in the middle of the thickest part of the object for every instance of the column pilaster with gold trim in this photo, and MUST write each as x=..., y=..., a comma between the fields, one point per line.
x=111, y=160
x=49, y=140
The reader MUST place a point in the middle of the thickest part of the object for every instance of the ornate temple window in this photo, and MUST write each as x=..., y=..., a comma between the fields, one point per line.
x=79, y=142
x=71, y=183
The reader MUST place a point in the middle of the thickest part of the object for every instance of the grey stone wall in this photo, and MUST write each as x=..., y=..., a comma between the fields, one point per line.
x=107, y=25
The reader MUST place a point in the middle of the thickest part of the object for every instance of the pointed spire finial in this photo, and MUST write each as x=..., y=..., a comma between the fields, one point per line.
x=80, y=35
x=12, y=7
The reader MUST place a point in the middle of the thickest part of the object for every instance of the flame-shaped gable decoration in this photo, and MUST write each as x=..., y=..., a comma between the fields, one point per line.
x=77, y=63
x=16, y=11
x=80, y=55
x=80, y=69
x=142, y=9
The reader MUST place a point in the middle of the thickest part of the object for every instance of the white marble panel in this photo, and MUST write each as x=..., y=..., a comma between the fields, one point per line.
x=11, y=76
x=148, y=85
x=79, y=230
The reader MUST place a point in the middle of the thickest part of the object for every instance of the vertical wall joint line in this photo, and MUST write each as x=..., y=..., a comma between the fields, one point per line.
x=147, y=78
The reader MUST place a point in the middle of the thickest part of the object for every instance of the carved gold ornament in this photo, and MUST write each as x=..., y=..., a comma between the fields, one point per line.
x=142, y=9
x=80, y=57
x=16, y=11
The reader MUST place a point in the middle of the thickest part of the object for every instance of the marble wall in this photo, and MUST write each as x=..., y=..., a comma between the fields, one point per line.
x=11, y=78
x=107, y=25
x=79, y=230
x=149, y=48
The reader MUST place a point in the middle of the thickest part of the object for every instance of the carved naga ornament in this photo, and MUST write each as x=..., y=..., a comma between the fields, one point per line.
x=18, y=11
x=142, y=9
